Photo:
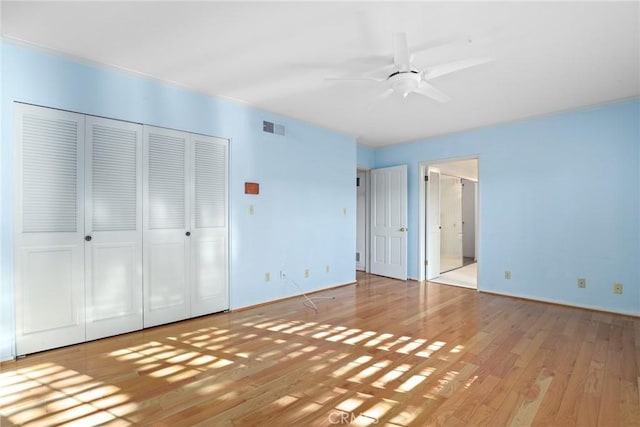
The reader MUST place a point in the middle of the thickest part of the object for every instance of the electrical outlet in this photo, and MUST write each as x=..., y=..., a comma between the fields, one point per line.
x=582, y=283
x=306, y=273
x=507, y=275
x=327, y=268
x=267, y=277
x=617, y=288
x=283, y=275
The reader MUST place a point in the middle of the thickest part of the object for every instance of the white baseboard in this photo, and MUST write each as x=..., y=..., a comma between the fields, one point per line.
x=568, y=304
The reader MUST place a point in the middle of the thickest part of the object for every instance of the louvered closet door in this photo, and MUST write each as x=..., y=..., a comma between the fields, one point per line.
x=113, y=227
x=209, y=227
x=49, y=214
x=166, y=213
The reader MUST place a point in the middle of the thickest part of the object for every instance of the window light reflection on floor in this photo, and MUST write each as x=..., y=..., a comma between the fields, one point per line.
x=387, y=378
x=363, y=336
x=367, y=372
x=379, y=409
x=69, y=396
x=457, y=349
x=350, y=404
x=392, y=365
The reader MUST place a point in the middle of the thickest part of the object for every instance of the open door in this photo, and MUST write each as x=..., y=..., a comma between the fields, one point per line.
x=450, y=223
x=433, y=223
x=389, y=222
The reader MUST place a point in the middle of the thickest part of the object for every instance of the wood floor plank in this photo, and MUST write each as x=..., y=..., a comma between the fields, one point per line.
x=381, y=351
x=567, y=413
x=528, y=409
x=609, y=406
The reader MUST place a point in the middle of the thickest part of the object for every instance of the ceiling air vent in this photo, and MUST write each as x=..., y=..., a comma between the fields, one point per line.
x=274, y=128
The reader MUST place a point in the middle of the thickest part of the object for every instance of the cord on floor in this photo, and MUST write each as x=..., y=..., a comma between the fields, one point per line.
x=308, y=302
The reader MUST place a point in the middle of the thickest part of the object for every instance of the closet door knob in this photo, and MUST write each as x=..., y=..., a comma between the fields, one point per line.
x=87, y=238
x=188, y=233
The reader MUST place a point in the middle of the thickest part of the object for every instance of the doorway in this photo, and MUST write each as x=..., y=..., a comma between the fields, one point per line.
x=362, y=220
x=449, y=222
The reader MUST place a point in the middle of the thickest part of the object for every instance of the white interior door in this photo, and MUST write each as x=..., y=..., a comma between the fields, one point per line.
x=209, y=225
x=451, y=222
x=433, y=224
x=113, y=227
x=389, y=222
x=165, y=220
x=49, y=214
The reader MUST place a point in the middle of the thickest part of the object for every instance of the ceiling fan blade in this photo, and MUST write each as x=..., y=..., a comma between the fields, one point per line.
x=384, y=95
x=379, y=99
x=401, y=57
x=451, y=67
x=426, y=89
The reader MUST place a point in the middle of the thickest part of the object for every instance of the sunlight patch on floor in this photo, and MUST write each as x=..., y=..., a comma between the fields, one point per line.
x=69, y=396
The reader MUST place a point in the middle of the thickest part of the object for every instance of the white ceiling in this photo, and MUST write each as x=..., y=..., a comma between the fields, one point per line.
x=550, y=56
x=467, y=169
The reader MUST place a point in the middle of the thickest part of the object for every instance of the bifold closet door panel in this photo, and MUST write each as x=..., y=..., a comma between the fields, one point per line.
x=118, y=226
x=165, y=220
x=49, y=239
x=210, y=229
x=113, y=227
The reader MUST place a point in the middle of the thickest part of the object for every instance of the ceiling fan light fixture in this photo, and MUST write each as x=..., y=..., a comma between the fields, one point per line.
x=405, y=77
x=405, y=82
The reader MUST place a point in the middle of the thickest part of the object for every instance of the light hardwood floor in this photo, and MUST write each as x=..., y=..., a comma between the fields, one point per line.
x=384, y=351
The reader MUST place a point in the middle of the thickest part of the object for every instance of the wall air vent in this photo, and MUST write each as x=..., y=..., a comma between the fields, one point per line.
x=274, y=128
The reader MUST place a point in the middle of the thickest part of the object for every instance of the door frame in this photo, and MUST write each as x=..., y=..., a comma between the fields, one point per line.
x=422, y=241
x=367, y=214
x=432, y=174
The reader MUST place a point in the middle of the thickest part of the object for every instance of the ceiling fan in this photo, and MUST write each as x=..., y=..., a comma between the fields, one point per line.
x=404, y=78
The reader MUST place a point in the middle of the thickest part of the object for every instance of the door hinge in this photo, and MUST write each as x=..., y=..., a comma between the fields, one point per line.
x=426, y=178
x=358, y=182
x=426, y=262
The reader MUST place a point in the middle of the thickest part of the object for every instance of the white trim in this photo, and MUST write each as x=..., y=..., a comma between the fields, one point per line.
x=422, y=217
x=309, y=293
x=429, y=138
x=560, y=302
x=367, y=215
x=171, y=83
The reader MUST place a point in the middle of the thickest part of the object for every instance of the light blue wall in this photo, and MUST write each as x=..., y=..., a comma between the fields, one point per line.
x=559, y=199
x=365, y=156
x=306, y=177
x=559, y=196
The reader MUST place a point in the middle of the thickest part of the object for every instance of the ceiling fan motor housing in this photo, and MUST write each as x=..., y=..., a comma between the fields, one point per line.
x=404, y=82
